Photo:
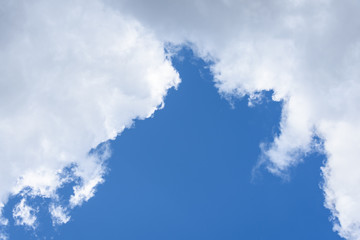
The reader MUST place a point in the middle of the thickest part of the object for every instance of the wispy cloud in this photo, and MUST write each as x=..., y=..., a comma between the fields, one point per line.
x=24, y=214
x=59, y=214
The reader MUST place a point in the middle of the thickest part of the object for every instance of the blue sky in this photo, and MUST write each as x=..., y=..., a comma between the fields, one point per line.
x=186, y=173
x=259, y=137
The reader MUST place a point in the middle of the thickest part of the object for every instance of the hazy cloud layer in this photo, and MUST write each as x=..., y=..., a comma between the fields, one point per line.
x=73, y=74
x=307, y=52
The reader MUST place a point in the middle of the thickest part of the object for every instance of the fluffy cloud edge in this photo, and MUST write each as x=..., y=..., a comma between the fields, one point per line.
x=78, y=73
x=307, y=52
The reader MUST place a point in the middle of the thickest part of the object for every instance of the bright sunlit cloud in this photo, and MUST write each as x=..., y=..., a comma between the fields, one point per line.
x=307, y=52
x=73, y=74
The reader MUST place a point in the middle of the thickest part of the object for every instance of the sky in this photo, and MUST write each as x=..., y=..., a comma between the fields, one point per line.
x=179, y=119
x=196, y=183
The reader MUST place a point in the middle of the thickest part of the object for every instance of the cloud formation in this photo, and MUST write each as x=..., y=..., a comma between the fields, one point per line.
x=59, y=215
x=307, y=52
x=73, y=74
x=24, y=214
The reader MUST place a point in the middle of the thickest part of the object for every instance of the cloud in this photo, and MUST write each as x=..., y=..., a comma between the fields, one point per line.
x=58, y=214
x=24, y=214
x=73, y=74
x=307, y=52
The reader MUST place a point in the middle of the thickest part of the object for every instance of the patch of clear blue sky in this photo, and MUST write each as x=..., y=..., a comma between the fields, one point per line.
x=186, y=174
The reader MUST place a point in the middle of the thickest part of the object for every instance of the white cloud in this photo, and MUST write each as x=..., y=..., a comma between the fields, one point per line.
x=3, y=236
x=73, y=74
x=3, y=221
x=308, y=52
x=24, y=214
x=58, y=214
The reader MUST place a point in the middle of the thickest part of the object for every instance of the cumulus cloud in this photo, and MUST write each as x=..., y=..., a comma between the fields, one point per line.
x=307, y=52
x=73, y=74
